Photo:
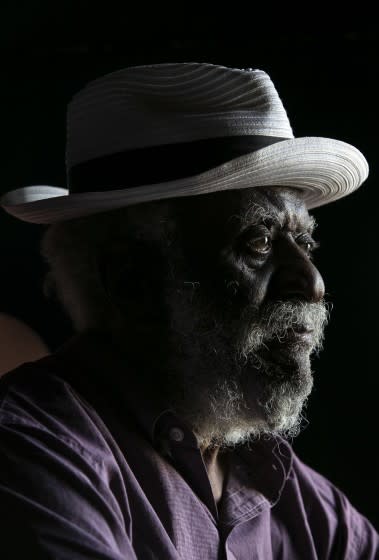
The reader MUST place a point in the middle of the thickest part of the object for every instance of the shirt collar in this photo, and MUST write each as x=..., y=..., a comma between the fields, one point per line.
x=269, y=461
x=92, y=356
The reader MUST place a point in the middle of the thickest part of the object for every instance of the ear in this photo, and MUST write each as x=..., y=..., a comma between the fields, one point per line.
x=49, y=288
x=114, y=274
x=132, y=277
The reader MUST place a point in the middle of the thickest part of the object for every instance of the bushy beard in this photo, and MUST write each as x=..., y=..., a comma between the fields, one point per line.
x=225, y=366
x=235, y=376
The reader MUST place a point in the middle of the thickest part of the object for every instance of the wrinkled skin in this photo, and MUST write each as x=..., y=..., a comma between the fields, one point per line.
x=226, y=314
x=239, y=277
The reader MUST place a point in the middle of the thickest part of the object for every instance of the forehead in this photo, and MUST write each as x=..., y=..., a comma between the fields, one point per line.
x=229, y=211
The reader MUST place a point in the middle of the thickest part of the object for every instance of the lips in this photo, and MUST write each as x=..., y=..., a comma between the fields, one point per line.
x=299, y=334
x=298, y=337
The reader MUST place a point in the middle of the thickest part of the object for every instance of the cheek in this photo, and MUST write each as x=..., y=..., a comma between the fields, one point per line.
x=243, y=285
x=259, y=283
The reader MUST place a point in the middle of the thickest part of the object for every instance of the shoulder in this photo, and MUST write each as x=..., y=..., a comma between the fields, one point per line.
x=35, y=397
x=55, y=467
x=339, y=530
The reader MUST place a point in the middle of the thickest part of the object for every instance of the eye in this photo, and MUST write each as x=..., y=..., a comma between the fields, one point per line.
x=306, y=241
x=260, y=245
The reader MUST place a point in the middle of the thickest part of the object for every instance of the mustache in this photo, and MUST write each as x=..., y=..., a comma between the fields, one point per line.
x=274, y=320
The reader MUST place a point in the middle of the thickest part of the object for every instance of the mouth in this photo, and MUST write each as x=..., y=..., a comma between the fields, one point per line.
x=298, y=334
x=295, y=340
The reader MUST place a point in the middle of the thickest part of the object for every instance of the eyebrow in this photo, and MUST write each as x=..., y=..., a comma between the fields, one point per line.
x=256, y=215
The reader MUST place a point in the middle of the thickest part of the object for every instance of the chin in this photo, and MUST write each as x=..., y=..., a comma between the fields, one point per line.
x=276, y=394
x=284, y=415
x=264, y=406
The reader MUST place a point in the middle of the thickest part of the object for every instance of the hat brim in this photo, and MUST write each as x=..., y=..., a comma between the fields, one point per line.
x=322, y=168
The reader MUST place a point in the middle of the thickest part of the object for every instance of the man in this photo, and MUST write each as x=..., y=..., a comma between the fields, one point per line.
x=182, y=252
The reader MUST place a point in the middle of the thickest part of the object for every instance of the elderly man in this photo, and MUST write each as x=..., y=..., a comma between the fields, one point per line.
x=182, y=251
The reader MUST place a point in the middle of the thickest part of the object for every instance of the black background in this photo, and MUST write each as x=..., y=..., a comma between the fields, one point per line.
x=328, y=84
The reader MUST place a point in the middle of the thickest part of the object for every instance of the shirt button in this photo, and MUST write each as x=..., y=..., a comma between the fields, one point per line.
x=176, y=434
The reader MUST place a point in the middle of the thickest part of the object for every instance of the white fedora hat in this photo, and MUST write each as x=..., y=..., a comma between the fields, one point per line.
x=170, y=130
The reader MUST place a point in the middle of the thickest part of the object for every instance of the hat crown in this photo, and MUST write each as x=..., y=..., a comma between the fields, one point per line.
x=153, y=105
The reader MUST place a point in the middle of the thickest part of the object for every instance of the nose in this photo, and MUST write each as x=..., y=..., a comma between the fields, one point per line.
x=296, y=277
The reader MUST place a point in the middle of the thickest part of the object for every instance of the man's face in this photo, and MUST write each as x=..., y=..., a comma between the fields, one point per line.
x=244, y=306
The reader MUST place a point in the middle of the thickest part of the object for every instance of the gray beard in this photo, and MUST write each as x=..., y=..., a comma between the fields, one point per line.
x=235, y=378
x=222, y=365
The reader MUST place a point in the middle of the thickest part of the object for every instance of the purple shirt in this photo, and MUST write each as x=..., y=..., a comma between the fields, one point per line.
x=99, y=473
